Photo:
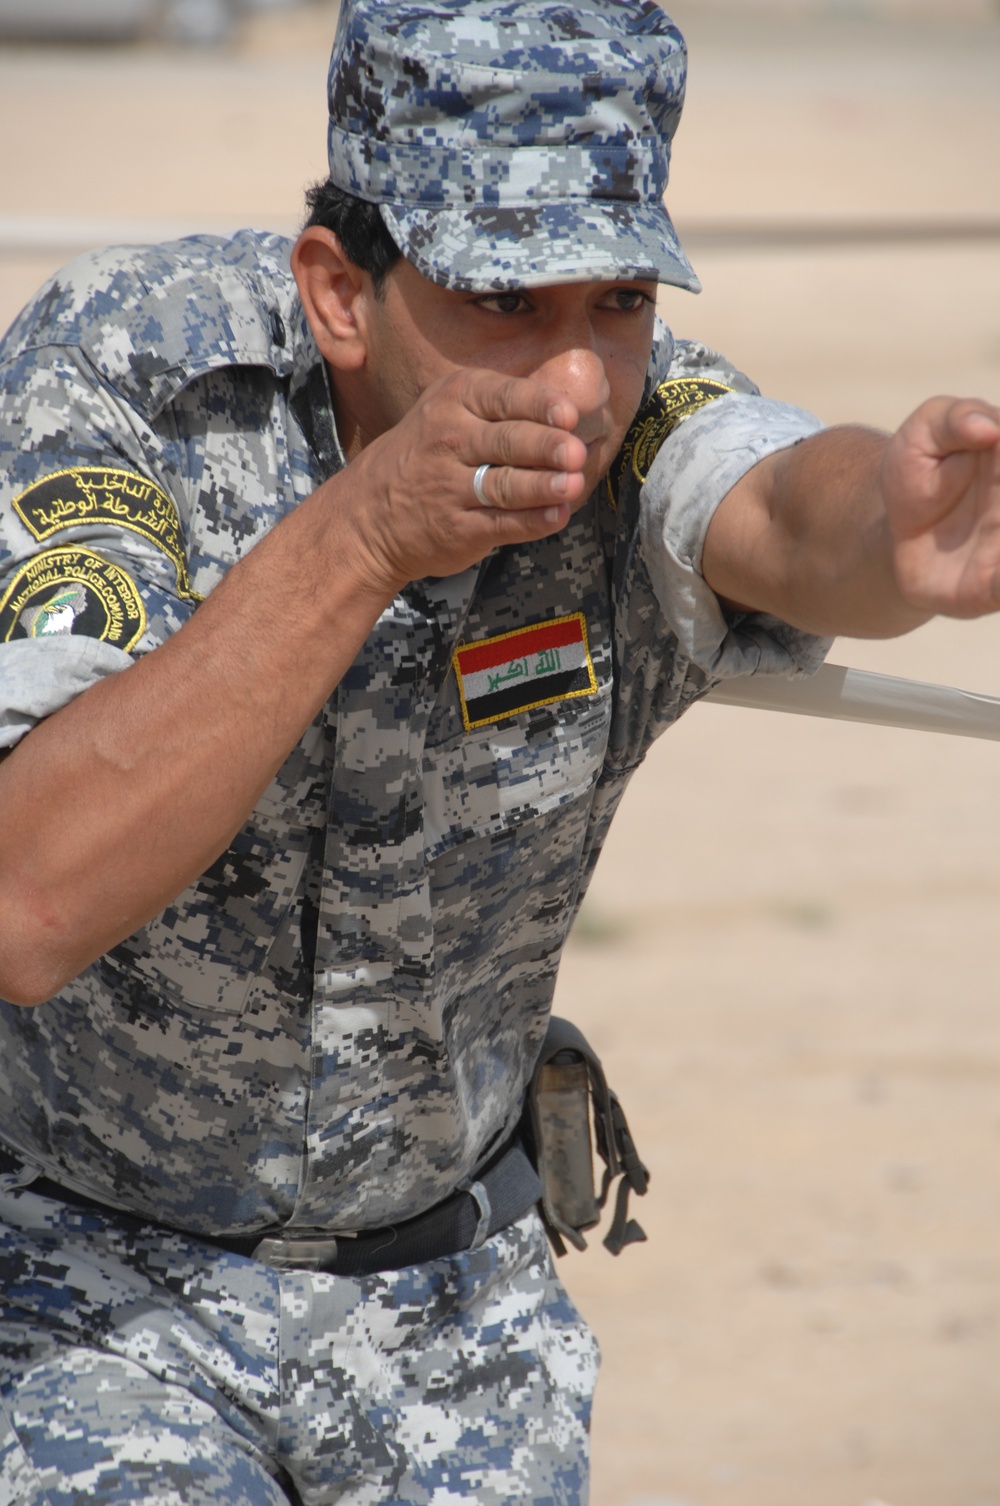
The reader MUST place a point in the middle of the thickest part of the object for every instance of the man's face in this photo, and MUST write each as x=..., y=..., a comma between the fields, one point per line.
x=590, y=341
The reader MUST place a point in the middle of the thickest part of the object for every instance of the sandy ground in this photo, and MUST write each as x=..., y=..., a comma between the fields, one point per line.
x=788, y=955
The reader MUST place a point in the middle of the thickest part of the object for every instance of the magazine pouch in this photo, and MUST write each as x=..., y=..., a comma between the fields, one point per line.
x=569, y=1110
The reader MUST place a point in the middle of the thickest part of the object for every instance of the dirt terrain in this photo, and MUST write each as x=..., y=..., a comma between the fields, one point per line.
x=788, y=956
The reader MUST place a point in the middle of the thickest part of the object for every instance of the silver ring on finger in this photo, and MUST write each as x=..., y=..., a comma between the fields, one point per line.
x=477, y=486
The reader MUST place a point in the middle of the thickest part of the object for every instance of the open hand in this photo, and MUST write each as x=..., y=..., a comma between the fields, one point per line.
x=940, y=479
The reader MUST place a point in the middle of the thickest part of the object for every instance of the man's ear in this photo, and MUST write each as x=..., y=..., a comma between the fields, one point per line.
x=335, y=294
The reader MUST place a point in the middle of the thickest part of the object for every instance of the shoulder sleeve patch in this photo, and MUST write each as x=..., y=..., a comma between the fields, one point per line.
x=671, y=402
x=98, y=495
x=66, y=591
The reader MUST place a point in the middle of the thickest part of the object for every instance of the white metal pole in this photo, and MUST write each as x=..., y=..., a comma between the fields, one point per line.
x=855, y=695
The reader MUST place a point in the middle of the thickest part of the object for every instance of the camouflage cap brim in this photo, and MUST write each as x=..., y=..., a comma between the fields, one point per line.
x=500, y=248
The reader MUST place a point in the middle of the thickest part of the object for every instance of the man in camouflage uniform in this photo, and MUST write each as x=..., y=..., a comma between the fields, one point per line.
x=340, y=594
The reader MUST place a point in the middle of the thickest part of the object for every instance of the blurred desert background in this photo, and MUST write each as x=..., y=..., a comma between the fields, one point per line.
x=789, y=955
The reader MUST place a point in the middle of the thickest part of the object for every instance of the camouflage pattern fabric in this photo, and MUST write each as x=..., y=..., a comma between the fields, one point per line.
x=513, y=142
x=187, y=1377
x=333, y=1026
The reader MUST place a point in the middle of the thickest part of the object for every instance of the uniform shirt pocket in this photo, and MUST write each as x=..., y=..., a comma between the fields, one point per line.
x=493, y=778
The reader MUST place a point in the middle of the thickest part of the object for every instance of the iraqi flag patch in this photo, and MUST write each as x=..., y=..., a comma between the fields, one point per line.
x=518, y=671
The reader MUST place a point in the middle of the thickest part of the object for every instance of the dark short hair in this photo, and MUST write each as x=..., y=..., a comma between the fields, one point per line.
x=357, y=225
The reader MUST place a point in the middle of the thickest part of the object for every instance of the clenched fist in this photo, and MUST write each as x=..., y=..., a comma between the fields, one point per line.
x=408, y=497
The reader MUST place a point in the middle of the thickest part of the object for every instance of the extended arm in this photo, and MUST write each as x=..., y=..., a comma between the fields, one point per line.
x=853, y=532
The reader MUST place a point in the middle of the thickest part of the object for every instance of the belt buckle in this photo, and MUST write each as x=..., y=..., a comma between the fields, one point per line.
x=297, y=1252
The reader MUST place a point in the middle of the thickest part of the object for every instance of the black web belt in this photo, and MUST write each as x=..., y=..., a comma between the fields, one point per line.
x=493, y=1197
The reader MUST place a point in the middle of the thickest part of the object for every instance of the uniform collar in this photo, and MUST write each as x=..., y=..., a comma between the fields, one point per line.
x=309, y=395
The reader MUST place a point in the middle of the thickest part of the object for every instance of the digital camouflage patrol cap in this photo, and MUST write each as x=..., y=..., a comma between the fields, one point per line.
x=510, y=143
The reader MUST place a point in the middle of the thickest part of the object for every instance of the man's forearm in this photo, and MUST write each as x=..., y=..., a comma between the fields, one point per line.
x=113, y=805
x=855, y=532
x=804, y=537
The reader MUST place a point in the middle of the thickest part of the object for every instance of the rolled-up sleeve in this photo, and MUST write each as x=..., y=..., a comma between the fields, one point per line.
x=703, y=458
x=39, y=676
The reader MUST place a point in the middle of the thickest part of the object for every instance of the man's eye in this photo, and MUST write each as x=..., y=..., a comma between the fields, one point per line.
x=503, y=303
x=629, y=299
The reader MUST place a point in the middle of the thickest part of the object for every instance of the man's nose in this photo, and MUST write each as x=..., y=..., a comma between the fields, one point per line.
x=578, y=372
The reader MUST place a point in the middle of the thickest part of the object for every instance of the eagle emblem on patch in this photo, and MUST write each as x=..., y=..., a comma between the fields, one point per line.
x=88, y=495
x=671, y=402
x=517, y=671
x=72, y=591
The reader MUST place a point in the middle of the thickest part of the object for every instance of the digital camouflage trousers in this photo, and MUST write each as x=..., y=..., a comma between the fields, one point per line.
x=139, y=1365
